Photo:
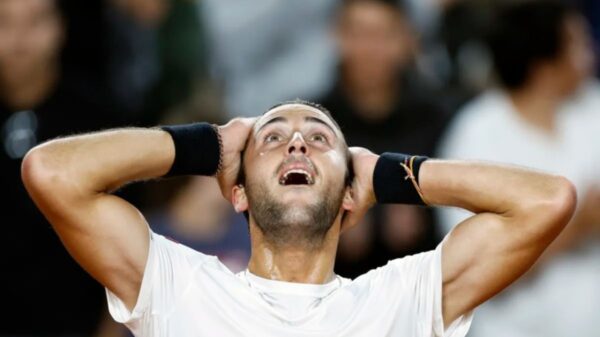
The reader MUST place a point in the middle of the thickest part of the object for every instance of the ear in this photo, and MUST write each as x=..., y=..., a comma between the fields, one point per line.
x=239, y=199
x=348, y=203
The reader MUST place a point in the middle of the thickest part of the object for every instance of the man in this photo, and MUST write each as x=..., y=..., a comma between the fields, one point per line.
x=294, y=181
x=525, y=121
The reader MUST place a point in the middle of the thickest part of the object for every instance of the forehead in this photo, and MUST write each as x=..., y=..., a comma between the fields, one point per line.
x=294, y=111
x=26, y=6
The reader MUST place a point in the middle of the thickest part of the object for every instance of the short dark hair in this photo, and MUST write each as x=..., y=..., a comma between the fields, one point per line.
x=310, y=104
x=524, y=34
x=241, y=178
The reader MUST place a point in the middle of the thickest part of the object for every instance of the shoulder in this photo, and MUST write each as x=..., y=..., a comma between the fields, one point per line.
x=170, y=269
x=405, y=270
x=415, y=265
x=163, y=247
x=410, y=289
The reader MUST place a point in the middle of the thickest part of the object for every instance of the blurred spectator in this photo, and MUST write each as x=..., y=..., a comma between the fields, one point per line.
x=269, y=51
x=542, y=56
x=452, y=54
x=185, y=87
x=591, y=10
x=461, y=32
x=381, y=103
x=157, y=56
x=198, y=216
x=194, y=213
x=46, y=292
x=427, y=14
x=133, y=62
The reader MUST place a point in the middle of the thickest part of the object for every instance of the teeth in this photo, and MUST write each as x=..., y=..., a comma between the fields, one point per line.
x=309, y=178
x=296, y=171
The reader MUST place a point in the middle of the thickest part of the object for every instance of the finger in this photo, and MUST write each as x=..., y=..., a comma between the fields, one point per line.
x=225, y=188
x=247, y=122
x=227, y=180
x=250, y=120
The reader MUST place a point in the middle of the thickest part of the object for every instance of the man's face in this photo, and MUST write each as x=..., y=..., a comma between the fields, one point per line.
x=575, y=63
x=295, y=168
x=30, y=37
x=374, y=40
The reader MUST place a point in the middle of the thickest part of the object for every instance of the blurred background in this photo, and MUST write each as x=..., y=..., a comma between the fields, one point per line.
x=508, y=81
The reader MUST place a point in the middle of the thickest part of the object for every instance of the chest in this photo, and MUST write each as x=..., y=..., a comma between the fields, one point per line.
x=218, y=309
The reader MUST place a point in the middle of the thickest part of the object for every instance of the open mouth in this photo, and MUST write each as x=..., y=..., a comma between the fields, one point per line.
x=296, y=177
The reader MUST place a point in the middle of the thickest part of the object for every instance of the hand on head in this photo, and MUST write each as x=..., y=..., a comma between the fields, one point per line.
x=234, y=136
x=363, y=163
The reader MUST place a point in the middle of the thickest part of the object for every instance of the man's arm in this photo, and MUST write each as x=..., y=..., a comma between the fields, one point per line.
x=518, y=214
x=71, y=179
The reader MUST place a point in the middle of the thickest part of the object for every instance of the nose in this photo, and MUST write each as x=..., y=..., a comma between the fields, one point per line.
x=297, y=145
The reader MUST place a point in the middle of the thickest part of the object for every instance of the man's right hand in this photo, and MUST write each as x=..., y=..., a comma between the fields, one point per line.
x=234, y=136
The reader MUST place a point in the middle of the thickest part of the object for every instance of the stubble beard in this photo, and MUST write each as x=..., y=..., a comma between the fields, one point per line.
x=293, y=226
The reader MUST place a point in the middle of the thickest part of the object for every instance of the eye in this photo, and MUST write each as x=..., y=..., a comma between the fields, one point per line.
x=319, y=137
x=272, y=137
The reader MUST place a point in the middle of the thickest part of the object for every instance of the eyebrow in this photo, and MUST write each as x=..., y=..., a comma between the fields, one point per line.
x=307, y=118
x=271, y=121
x=320, y=121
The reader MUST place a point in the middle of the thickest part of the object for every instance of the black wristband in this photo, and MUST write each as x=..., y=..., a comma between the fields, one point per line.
x=197, y=149
x=396, y=179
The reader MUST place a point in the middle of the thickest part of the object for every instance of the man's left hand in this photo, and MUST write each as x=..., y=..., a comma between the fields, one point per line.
x=363, y=162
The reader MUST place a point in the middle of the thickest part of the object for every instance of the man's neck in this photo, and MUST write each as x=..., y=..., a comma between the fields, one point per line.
x=293, y=263
x=27, y=93
x=373, y=101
